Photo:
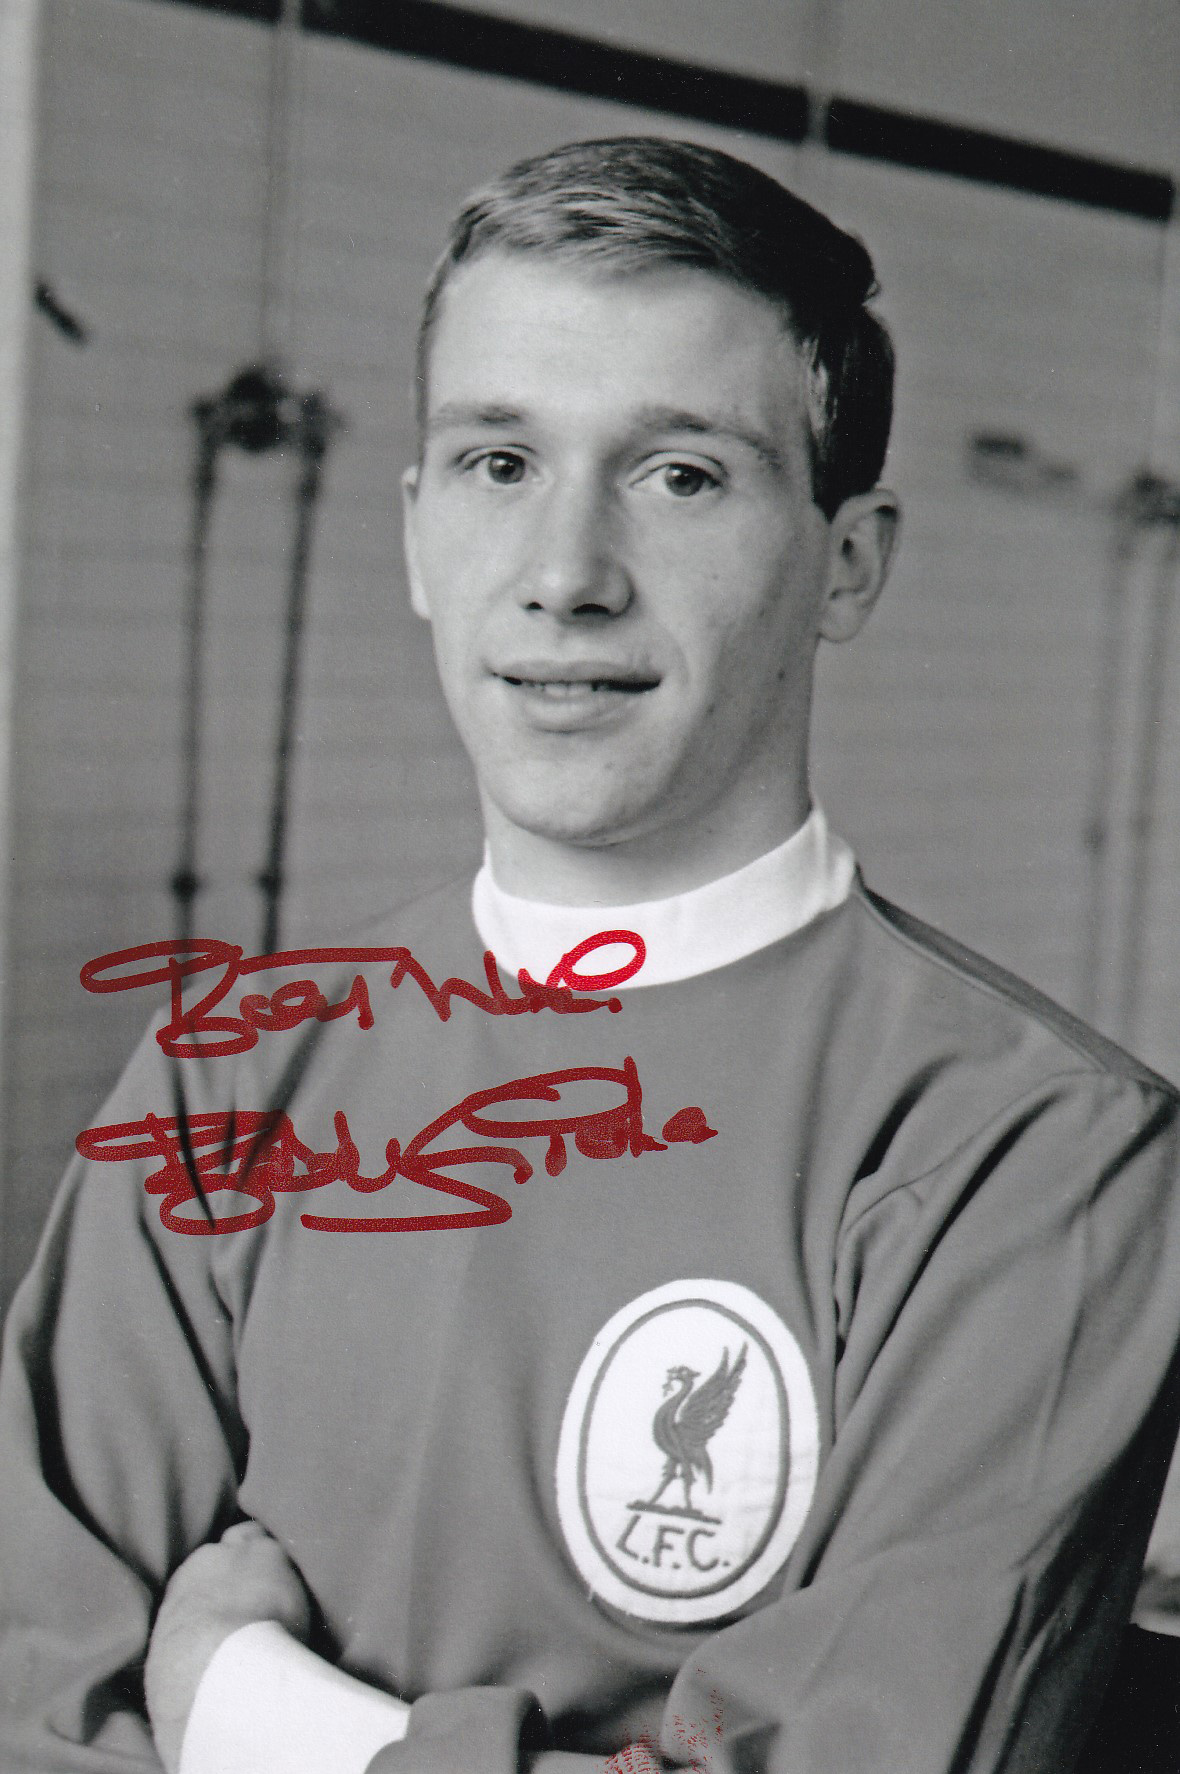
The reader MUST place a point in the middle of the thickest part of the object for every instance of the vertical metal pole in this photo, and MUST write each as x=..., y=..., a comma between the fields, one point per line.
x=276, y=197
x=185, y=880
x=312, y=441
x=1145, y=780
x=820, y=44
x=1099, y=816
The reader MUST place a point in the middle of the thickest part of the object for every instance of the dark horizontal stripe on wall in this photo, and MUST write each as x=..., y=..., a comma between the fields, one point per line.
x=922, y=142
x=485, y=43
x=266, y=11
x=568, y=63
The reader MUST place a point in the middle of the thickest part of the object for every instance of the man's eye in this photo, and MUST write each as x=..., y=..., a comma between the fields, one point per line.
x=685, y=479
x=503, y=467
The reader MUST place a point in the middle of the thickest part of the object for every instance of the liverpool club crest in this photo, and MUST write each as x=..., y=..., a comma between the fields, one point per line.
x=688, y=1452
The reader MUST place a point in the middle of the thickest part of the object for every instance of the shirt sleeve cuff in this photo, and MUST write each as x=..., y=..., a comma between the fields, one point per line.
x=267, y=1705
x=469, y=1728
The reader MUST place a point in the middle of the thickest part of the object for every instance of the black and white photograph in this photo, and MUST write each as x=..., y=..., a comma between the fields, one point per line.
x=589, y=887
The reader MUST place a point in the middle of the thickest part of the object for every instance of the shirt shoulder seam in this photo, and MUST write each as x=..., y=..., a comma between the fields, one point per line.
x=1132, y=1071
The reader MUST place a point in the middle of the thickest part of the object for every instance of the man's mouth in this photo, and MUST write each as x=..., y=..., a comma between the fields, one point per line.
x=558, y=678
x=559, y=689
x=571, y=696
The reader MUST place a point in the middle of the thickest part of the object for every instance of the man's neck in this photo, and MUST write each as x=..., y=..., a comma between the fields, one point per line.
x=679, y=935
x=658, y=866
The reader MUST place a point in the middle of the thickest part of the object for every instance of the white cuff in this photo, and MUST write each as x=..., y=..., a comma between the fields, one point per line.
x=267, y=1705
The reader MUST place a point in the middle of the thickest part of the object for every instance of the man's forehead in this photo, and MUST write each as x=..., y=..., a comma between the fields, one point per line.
x=684, y=349
x=560, y=277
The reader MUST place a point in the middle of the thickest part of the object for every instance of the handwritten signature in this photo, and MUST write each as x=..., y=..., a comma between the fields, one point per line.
x=257, y=1153
x=195, y=1031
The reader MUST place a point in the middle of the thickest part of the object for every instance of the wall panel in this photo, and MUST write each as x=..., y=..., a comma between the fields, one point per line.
x=955, y=740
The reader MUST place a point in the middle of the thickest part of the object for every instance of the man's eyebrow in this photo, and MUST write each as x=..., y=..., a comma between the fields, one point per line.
x=461, y=412
x=494, y=414
x=705, y=425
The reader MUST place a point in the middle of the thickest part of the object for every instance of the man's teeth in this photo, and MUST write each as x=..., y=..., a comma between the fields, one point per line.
x=571, y=686
x=558, y=687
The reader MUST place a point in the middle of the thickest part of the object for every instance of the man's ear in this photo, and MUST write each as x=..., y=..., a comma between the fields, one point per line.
x=410, y=543
x=862, y=542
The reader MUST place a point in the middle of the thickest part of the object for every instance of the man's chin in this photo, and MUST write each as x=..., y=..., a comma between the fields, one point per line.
x=577, y=831
x=576, y=821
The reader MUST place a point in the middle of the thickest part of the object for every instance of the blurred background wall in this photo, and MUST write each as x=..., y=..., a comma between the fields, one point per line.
x=185, y=186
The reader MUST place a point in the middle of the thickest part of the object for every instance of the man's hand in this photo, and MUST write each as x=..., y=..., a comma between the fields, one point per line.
x=244, y=1578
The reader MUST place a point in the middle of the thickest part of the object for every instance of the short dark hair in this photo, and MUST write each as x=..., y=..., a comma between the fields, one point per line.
x=632, y=202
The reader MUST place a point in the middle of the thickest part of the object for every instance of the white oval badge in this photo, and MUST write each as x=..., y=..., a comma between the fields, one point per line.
x=688, y=1452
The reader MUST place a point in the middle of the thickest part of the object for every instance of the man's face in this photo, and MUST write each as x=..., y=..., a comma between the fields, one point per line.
x=611, y=531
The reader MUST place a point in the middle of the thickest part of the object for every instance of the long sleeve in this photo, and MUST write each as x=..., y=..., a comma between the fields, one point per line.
x=1006, y=1404
x=962, y=1218
x=120, y=1446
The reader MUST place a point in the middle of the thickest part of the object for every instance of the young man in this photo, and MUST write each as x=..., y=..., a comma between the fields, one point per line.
x=806, y=1409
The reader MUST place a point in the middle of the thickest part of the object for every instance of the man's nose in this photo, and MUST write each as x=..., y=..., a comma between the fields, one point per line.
x=575, y=565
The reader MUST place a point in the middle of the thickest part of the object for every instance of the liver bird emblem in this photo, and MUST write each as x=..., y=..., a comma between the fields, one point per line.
x=686, y=1422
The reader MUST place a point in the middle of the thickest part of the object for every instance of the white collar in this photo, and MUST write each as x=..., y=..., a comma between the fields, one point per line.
x=691, y=933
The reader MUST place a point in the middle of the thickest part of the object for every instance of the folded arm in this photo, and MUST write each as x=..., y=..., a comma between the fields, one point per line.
x=1004, y=1407
x=1006, y=1404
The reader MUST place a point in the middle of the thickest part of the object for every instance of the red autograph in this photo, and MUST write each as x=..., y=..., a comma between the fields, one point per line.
x=258, y=1154
x=195, y=1031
